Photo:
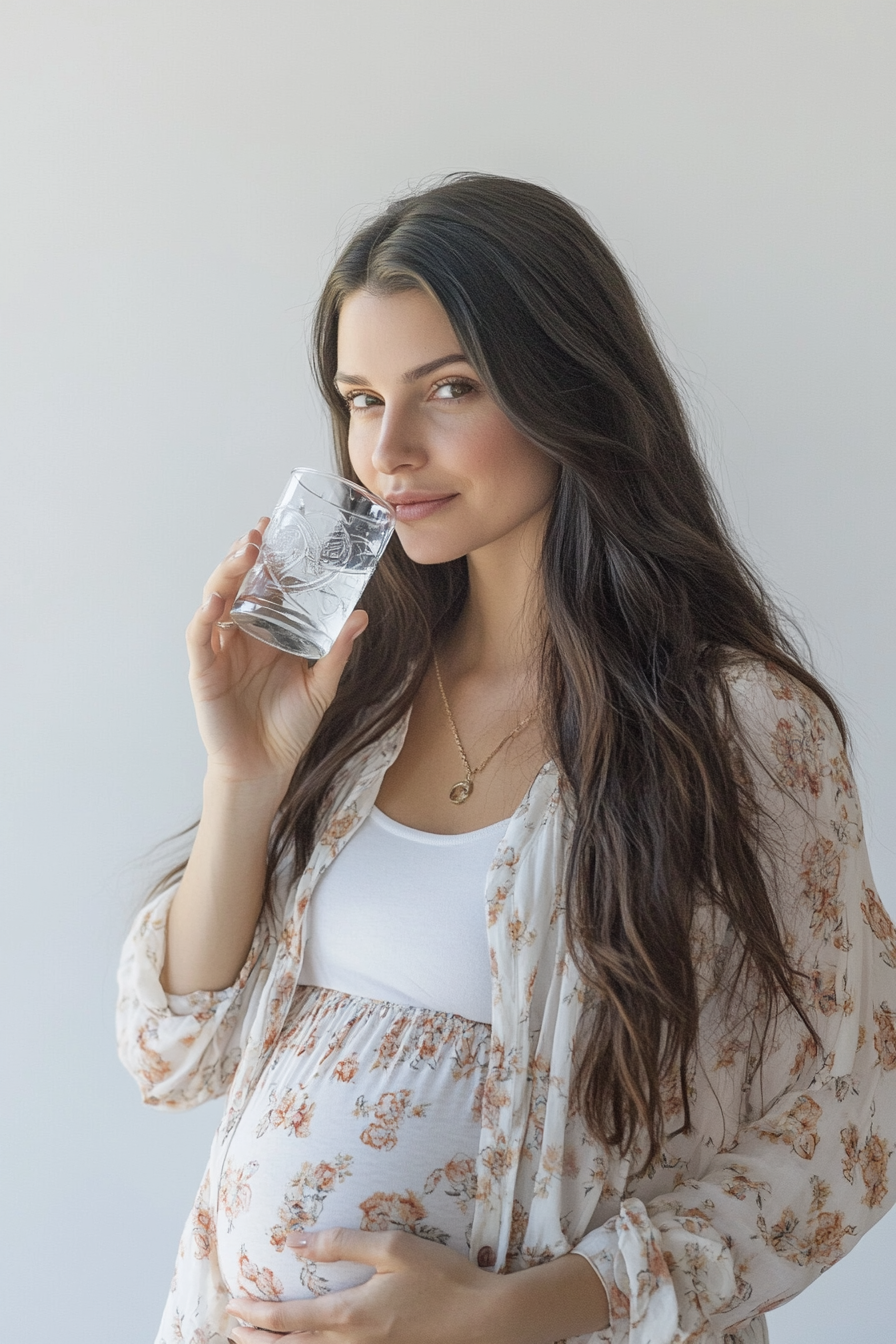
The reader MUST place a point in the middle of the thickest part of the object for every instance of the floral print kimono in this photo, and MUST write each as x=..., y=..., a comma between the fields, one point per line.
x=786, y=1163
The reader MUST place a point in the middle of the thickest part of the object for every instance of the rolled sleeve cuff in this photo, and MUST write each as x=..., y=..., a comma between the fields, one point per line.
x=629, y=1255
x=200, y=1003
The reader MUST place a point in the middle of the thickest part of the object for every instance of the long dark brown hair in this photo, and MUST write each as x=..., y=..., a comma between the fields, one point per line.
x=647, y=600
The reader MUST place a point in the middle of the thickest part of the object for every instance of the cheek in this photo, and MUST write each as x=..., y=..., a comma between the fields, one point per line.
x=359, y=456
x=516, y=466
x=485, y=450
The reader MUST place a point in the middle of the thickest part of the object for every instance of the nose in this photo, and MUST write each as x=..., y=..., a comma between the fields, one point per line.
x=399, y=445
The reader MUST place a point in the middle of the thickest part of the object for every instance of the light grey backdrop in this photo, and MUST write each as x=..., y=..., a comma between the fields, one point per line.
x=174, y=174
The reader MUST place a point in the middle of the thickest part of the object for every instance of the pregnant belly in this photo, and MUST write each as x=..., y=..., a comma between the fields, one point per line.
x=366, y=1117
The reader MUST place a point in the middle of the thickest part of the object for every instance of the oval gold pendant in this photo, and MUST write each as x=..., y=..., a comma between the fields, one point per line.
x=461, y=792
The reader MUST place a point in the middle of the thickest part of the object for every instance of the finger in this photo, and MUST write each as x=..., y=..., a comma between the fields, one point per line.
x=297, y=1314
x=229, y=574
x=241, y=1335
x=324, y=676
x=386, y=1251
x=254, y=534
x=200, y=631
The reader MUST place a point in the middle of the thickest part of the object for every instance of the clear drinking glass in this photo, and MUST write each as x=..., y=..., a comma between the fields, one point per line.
x=320, y=548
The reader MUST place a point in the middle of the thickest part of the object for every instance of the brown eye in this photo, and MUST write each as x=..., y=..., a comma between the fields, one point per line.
x=452, y=390
x=361, y=401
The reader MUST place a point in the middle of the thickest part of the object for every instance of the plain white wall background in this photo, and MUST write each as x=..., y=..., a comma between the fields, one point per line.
x=174, y=175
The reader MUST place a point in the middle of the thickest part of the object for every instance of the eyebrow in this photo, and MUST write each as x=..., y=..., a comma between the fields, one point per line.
x=412, y=374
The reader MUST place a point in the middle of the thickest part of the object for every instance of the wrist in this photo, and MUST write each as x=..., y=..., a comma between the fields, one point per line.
x=557, y=1300
x=259, y=797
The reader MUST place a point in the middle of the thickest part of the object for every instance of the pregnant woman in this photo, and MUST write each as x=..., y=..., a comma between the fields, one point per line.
x=530, y=935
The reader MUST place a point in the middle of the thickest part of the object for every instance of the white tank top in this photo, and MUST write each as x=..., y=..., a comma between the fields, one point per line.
x=400, y=915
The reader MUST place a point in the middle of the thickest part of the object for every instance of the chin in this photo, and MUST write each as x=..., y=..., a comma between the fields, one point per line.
x=429, y=551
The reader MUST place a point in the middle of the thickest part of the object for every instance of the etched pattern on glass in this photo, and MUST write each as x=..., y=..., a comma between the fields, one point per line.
x=313, y=566
x=304, y=549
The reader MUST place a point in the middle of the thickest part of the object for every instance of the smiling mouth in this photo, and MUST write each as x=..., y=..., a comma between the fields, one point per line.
x=408, y=511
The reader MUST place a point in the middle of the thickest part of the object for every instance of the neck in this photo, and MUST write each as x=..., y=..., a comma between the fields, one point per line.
x=501, y=627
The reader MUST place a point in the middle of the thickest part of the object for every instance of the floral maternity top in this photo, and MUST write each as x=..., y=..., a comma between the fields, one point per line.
x=365, y=1116
x=367, y=1113
x=787, y=1161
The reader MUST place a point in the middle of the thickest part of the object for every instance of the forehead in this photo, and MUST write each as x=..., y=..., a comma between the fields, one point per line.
x=386, y=334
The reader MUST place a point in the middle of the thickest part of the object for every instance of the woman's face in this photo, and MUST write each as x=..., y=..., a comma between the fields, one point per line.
x=426, y=435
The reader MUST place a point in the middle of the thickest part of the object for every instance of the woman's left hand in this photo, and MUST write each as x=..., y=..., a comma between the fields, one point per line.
x=420, y=1291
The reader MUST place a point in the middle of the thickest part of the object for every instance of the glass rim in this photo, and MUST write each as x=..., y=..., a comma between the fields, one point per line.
x=343, y=480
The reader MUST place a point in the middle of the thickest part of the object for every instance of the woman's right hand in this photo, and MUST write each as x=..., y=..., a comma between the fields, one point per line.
x=257, y=707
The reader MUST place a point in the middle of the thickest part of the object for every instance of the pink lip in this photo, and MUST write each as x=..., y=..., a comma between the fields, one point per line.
x=411, y=506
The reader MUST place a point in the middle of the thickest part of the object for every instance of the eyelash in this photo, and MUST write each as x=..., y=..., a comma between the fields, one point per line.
x=443, y=382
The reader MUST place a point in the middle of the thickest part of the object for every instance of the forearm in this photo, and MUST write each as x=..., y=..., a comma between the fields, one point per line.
x=554, y=1301
x=215, y=910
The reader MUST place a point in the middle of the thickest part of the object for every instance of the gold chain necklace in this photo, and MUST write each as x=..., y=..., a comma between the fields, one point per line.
x=461, y=791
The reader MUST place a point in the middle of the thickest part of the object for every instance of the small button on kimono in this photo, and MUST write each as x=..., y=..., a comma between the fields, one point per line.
x=470, y=1137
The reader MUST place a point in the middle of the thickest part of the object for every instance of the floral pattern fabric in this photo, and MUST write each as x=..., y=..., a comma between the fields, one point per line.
x=367, y=1115
x=787, y=1162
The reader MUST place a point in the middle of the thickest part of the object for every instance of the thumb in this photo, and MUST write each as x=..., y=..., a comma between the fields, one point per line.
x=327, y=671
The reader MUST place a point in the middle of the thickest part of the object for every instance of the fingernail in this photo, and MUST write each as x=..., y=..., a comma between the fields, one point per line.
x=210, y=599
x=293, y=1240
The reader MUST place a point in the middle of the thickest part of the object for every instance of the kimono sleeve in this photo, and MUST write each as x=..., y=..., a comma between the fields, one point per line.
x=807, y=1171
x=184, y=1049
